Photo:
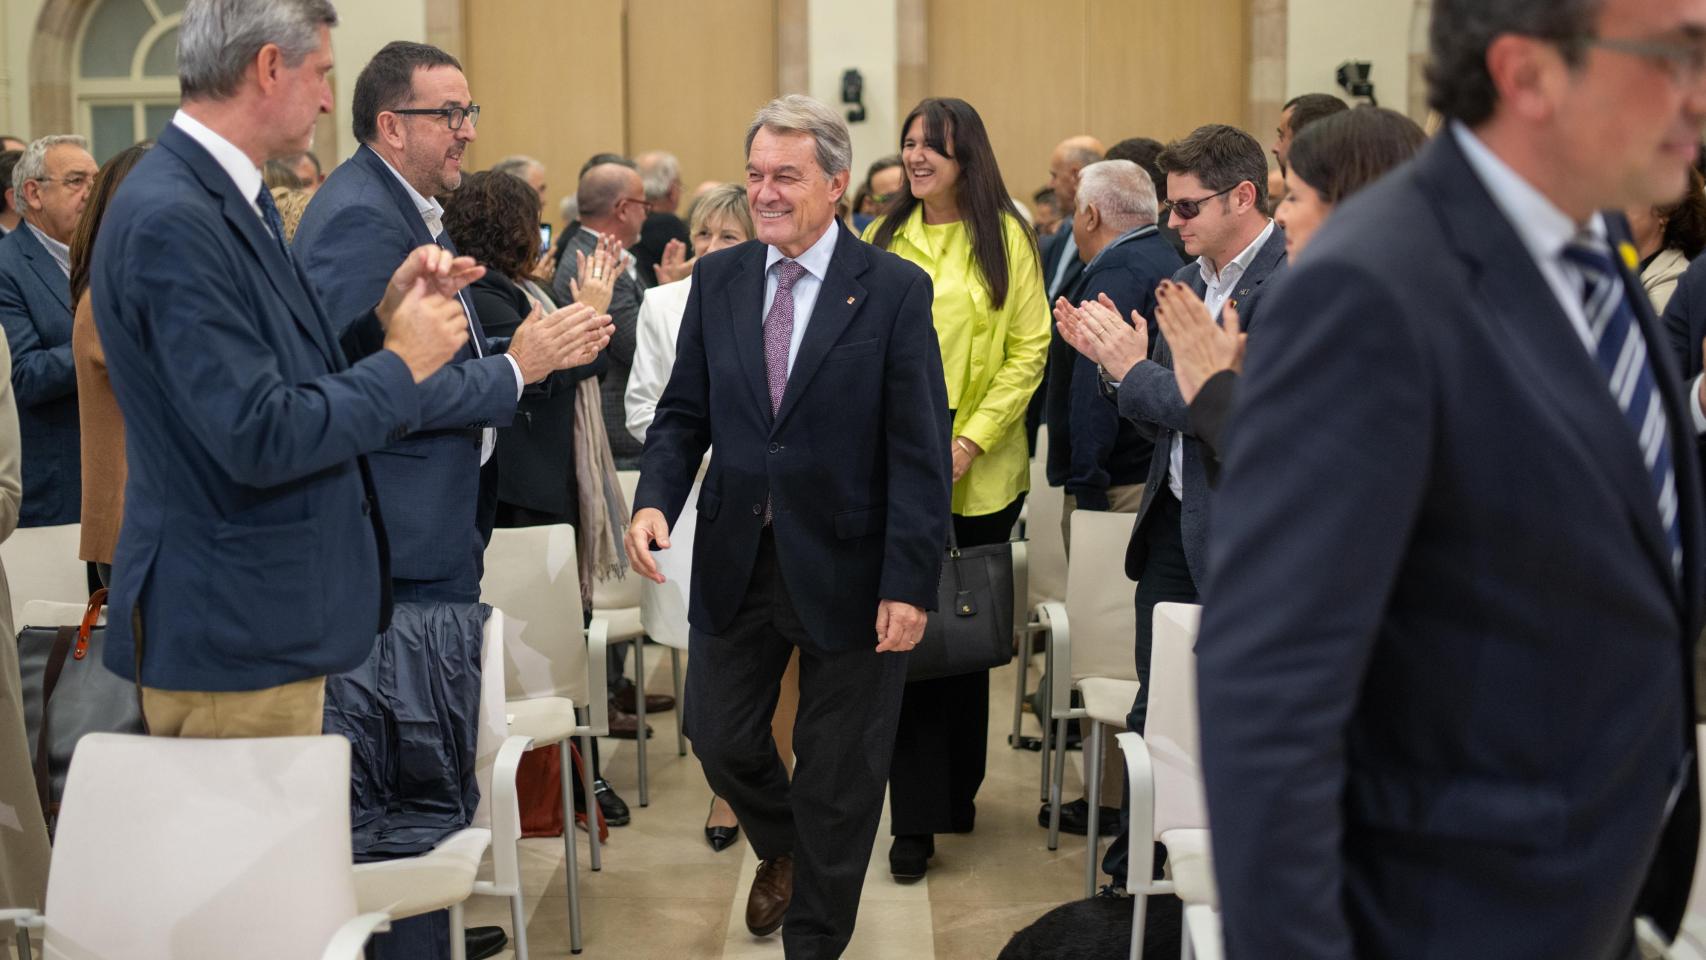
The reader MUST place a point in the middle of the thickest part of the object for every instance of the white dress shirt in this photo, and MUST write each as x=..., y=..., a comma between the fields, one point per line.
x=60, y=252
x=1218, y=290
x=806, y=288
x=432, y=214
x=230, y=158
x=1068, y=253
x=655, y=333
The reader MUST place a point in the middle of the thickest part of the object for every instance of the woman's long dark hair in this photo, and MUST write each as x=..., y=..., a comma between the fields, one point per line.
x=953, y=129
x=89, y=224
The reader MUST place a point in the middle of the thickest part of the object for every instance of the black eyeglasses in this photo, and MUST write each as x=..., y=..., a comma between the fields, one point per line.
x=452, y=115
x=1188, y=209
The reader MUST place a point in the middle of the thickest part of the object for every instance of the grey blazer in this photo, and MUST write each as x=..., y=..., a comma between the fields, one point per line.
x=1149, y=393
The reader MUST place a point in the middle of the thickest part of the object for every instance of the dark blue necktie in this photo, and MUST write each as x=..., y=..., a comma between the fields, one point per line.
x=1621, y=351
x=275, y=223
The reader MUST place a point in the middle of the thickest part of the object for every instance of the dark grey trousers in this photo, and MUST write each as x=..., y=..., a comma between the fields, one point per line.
x=843, y=740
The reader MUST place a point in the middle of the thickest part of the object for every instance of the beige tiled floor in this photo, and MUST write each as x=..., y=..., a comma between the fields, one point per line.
x=664, y=894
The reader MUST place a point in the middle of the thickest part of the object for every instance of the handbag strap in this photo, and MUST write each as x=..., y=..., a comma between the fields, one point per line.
x=62, y=642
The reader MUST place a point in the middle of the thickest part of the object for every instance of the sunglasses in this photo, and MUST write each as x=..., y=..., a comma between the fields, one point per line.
x=1188, y=209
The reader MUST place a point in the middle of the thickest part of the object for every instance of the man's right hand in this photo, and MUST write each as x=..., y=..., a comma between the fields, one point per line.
x=425, y=329
x=568, y=337
x=444, y=274
x=647, y=527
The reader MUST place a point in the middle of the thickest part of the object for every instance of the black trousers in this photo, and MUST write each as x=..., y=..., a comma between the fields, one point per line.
x=843, y=737
x=1166, y=579
x=943, y=743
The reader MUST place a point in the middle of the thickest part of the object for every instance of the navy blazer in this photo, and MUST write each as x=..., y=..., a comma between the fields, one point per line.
x=252, y=553
x=35, y=309
x=1445, y=668
x=856, y=464
x=1151, y=393
x=1091, y=447
x=356, y=232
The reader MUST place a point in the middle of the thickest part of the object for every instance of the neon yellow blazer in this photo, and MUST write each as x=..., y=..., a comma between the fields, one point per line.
x=993, y=359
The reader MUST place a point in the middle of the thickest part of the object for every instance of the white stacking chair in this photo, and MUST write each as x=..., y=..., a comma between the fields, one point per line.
x=1690, y=942
x=1090, y=639
x=618, y=601
x=1164, y=770
x=445, y=876
x=171, y=848
x=1039, y=577
x=550, y=664
x=41, y=564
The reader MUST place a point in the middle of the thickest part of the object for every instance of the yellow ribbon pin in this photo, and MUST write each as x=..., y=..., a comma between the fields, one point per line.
x=1631, y=258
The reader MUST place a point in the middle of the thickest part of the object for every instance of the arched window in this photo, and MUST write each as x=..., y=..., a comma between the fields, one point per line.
x=126, y=72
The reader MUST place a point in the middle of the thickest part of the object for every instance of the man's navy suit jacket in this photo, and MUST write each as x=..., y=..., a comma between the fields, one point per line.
x=856, y=465
x=35, y=309
x=1150, y=393
x=252, y=553
x=1445, y=665
x=356, y=232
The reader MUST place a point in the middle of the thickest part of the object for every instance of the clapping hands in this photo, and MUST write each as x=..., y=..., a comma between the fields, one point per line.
x=1095, y=330
x=1200, y=347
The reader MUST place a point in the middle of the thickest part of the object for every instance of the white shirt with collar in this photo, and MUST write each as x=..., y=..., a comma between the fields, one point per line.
x=1217, y=290
x=1068, y=253
x=432, y=214
x=60, y=252
x=1545, y=231
x=232, y=160
x=805, y=290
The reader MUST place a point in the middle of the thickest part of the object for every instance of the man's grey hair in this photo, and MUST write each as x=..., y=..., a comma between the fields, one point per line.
x=569, y=208
x=1120, y=189
x=796, y=113
x=218, y=39
x=33, y=164
x=517, y=165
x=659, y=171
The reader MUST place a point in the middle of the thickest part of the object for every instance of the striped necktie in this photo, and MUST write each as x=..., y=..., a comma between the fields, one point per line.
x=1621, y=352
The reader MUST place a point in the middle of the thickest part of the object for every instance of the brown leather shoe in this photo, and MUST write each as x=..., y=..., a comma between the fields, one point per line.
x=655, y=702
x=625, y=726
x=772, y=888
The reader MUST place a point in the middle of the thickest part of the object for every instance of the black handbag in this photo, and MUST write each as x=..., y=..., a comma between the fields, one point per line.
x=69, y=692
x=972, y=626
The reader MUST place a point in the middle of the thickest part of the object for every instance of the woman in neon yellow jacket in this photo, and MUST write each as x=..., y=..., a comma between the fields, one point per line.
x=955, y=219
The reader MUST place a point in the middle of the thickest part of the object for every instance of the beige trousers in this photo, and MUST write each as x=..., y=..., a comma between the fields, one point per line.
x=292, y=710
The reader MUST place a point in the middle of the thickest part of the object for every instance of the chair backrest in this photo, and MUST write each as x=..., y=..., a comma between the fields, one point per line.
x=532, y=576
x=173, y=848
x=41, y=564
x=494, y=722
x=1099, y=597
x=620, y=593
x=1171, y=727
x=1046, y=551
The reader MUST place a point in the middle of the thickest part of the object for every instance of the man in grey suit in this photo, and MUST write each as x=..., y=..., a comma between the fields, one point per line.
x=612, y=202
x=1217, y=185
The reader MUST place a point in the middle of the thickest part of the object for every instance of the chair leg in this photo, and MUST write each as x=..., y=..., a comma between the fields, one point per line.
x=1140, y=866
x=518, y=918
x=640, y=737
x=591, y=803
x=1045, y=698
x=1056, y=787
x=680, y=702
x=23, y=944
x=1093, y=797
x=1024, y=667
x=458, y=943
x=1185, y=949
x=571, y=862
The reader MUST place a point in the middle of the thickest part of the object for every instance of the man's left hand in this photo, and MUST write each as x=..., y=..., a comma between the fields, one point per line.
x=899, y=626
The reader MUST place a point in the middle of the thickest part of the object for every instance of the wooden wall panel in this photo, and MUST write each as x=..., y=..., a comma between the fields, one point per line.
x=1111, y=68
x=549, y=78
x=696, y=73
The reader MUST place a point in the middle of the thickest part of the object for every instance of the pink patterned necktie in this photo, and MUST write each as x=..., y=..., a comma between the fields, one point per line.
x=779, y=331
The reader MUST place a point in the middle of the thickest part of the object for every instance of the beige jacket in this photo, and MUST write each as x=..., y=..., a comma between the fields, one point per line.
x=1661, y=276
x=23, y=835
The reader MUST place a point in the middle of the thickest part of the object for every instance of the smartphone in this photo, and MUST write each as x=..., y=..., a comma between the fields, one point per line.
x=544, y=238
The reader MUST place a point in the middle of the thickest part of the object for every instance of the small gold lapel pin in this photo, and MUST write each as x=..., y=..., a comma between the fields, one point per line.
x=850, y=301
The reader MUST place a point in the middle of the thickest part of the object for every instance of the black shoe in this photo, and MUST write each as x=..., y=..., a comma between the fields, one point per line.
x=1111, y=892
x=615, y=811
x=909, y=857
x=483, y=942
x=720, y=838
x=1075, y=818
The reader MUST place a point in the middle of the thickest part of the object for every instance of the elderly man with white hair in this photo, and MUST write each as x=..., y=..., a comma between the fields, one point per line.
x=664, y=252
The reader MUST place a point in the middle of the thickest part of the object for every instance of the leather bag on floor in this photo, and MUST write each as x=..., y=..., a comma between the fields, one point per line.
x=971, y=628
x=68, y=693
